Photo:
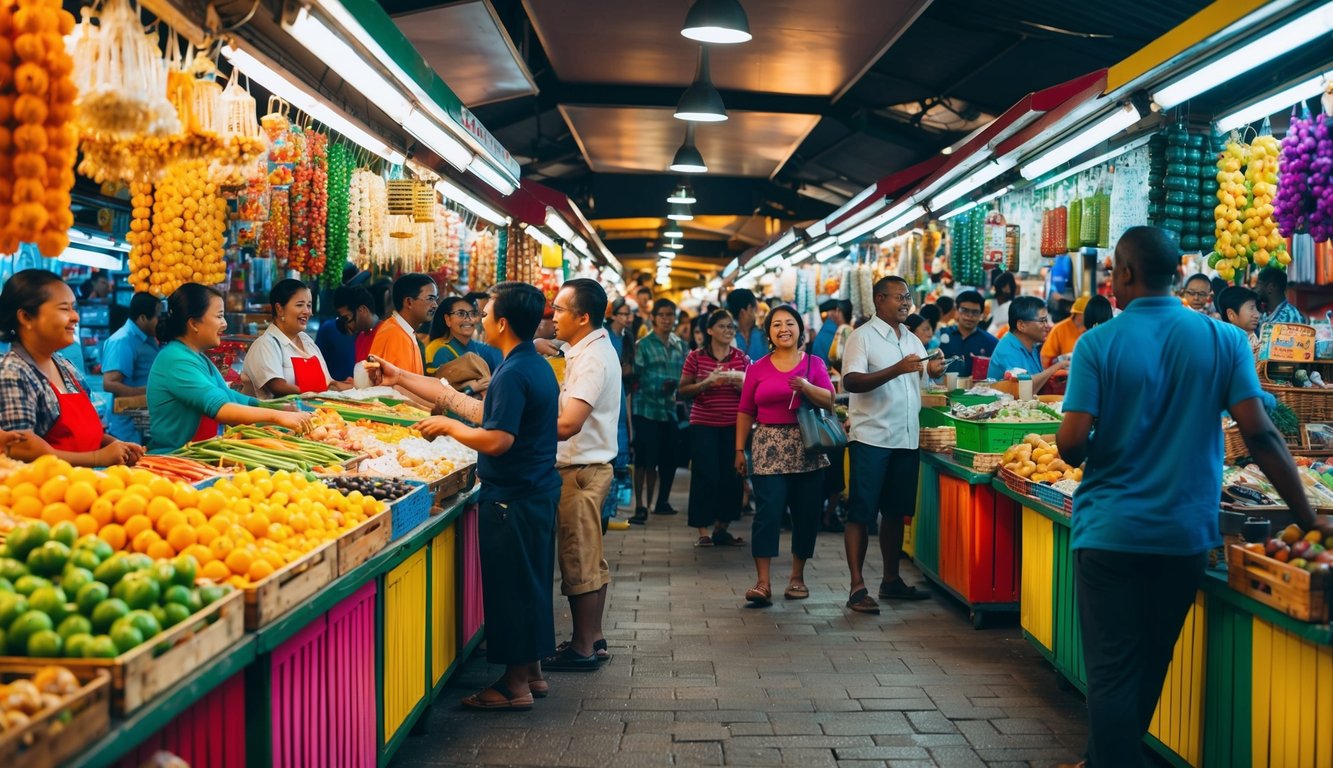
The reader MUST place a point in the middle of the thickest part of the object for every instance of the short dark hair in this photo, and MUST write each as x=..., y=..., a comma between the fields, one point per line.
x=643, y=289
x=914, y=320
x=282, y=292
x=945, y=303
x=589, y=298
x=1005, y=279
x=25, y=291
x=1233, y=298
x=1154, y=254
x=715, y=317
x=661, y=304
x=1197, y=276
x=353, y=297
x=739, y=299
x=1024, y=308
x=519, y=304
x=1097, y=312
x=790, y=310
x=1274, y=277
x=408, y=286
x=970, y=297
x=845, y=307
x=931, y=312
x=188, y=302
x=439, y=325
x=883, y=282
x=144, y=305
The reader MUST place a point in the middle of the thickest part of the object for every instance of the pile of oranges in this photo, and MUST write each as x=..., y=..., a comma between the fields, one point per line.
x=240, y=530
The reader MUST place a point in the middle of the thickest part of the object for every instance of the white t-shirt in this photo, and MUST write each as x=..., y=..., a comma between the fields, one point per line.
x=889, y=415
x=1000, y=317
x=270, y=357
x=592, y=374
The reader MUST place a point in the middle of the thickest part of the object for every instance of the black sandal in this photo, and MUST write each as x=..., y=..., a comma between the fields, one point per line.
x=861, y=602
x=899, y=590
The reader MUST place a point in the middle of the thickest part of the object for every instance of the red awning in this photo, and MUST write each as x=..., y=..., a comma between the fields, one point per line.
x=891, y=185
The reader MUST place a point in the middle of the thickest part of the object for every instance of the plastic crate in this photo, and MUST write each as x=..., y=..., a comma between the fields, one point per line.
x=411, y=510
x=1048, y=494
x=995, y=436
x=962, y=398
x=936, y=417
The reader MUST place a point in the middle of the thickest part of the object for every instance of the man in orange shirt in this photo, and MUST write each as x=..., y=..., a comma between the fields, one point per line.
x=415, y=299
x=1065, y=334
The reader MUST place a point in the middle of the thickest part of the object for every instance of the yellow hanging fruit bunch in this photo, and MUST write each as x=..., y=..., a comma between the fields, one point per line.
x=188, y=225
x=37, y=135
x=1258, y=230
x=1229, y=255
x=140, y=236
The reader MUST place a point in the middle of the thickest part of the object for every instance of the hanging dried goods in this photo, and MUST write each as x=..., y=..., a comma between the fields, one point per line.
x=338, y=184
x=189, y=222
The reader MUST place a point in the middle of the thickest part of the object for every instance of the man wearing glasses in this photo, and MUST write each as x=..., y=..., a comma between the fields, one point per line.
x=658, y=361
x=415, y=299
x=1198, y=294
x=1020, y=349
x=967, y=340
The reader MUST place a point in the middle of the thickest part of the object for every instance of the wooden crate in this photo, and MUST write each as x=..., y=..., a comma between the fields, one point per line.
x=290, y=586
x=52, y=738
x=364, y=541
x=1291, y=590
x=143, y=672
x=454, y=483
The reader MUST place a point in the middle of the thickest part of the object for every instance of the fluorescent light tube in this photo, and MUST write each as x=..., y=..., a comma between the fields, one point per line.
x=1271, y=105
x=909, y=216
x=1096, y=161
x=93, y=259
x=483, y=170
x=285, y=88
x=957, y=211
x=538, y=235
x=829, y=252
x=342, y=58
x=855, y=233
x=799, y=255
x=429, y=132
x=97, y=241
x=453, y=192
x=1279, y=42
x=1108, y=126
x=978, y=178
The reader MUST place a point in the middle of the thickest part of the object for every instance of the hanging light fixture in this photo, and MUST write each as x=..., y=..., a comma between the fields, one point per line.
x=680, y=212
x=683, y=193
x=676, y=245
x=701, y=103
x=673, y=230
x=717, y=21
x=688, y=159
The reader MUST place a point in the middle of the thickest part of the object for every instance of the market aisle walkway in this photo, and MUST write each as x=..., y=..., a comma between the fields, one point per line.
x=697, y=679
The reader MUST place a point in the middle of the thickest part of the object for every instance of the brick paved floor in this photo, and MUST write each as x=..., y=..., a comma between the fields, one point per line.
x=696, y=678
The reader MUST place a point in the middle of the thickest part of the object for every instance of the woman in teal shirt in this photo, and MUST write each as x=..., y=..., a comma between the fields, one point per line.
x=452, y=336
x=187, y=397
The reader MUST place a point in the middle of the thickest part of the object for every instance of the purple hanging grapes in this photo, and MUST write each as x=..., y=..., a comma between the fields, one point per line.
x=1321, y=180
x=1293, y=203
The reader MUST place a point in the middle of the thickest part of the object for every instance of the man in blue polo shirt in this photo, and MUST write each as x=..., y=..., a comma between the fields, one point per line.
x=1145, y=396
x=520, y=490
x=127, y=357
x=1020, y=349
x=967, y=341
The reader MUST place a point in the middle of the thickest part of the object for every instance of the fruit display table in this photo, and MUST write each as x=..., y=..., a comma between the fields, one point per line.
x=965, y=537
x=1247, y=686
x=342, y=678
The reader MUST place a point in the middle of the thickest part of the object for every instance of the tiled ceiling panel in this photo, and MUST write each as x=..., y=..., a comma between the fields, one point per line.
x=467, y=46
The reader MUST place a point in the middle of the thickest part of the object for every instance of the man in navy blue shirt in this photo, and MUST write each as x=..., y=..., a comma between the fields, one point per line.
x=1153, y=384
x=520, y=490
x=967, y=341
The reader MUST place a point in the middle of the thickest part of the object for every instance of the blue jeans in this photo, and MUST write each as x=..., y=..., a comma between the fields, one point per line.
x=774, y=494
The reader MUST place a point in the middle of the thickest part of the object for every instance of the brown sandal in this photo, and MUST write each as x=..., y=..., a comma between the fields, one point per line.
x=796, y=591
x=861, y=602
x=509, y=702
x=540, y=688
x=760, y=594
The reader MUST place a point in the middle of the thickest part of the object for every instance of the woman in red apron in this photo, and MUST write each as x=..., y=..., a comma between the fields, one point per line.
x=284, y=359
x=40, y=390
x=187, y=396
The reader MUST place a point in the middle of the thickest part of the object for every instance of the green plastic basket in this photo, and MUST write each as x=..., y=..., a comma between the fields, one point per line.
x=936, y=417
x=996, y=437
x=962, y=398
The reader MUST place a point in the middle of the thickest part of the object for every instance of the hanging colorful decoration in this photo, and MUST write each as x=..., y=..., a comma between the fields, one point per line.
x=338, y=188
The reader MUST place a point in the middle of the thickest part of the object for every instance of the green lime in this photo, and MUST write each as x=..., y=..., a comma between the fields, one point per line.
x=112, y=570
x=125, y=635
x=84, y=558
x=76, y=645
x=45, y=644
x=145, y=622
x=183, y=596
x=138, y=590
x=25, y=627
x=12, y=569
x=102, y=647
x=187, y=569
x=107, y=612
x=90, y=543
x=174, y=613
x=164, y=572
x=90, y=595
x=48, y=559
x=6, y=585
x=4, y=550
x=26, y=537
x=74, y=625
x=74, y=578
x=48, y=600
x=29, y=584
x=139, y=561
x=65, y=532
x=12, y=605
x=211, y=593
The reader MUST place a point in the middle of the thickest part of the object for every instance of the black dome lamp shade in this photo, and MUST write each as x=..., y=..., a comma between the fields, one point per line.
x=683, y=193
x=688, y=159
x=717, y=21
x=701, y=103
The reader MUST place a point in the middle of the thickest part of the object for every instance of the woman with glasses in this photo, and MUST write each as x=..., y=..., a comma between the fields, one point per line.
x=451, y=336
x=712, y=377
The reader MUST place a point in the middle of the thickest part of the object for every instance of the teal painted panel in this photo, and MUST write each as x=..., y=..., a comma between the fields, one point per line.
x=927, y=521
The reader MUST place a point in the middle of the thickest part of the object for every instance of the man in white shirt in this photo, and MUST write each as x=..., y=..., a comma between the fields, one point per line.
x=882, y=370
x=587, y=429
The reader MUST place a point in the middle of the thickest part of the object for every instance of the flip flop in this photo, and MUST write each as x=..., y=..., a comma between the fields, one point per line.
x=600, y=649
x=796, y=592
x=540, y=688
x=727, y=539
x=704, y=541
x=899, y=590
x=861, y=601
x=760, y=595
x=509, y=703
x=568, y=660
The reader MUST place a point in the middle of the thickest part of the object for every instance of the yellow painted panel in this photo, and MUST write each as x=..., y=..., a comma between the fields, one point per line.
x=444, y=603
x=404, y=641
x=1036, y=591
x=1178, y=721
x=1292, y=700
x=1196, y=28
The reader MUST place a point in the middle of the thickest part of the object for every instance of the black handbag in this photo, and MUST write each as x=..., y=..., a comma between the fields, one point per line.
x=821, y=431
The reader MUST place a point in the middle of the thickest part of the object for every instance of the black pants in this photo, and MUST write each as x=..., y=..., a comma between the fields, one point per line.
x=775, y=494
x=517, y=543
x=656, y=445
x=1130, y=608
x=715, y=488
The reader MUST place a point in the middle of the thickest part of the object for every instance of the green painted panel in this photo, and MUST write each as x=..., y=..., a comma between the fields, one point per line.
x=1227, y=697
x=1066, y=635
x=926, y=524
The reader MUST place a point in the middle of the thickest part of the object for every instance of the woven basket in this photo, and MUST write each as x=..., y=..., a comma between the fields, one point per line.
x=938, y=439
x=1015, y=482
x=979, y=462
x=1233, y=445
x=1310, y=404
x=934, y=401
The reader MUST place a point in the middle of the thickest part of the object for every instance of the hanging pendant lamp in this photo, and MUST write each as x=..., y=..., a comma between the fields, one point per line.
x=683, y=193
x=688, y=159
x=717, y=21
x=673, y=230
x=701, y=103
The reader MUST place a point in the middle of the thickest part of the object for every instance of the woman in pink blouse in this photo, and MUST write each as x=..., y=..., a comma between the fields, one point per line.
x=782, y=474
x=712, y=377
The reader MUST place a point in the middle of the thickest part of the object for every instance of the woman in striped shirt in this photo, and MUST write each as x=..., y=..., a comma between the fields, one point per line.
x=712, y=376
